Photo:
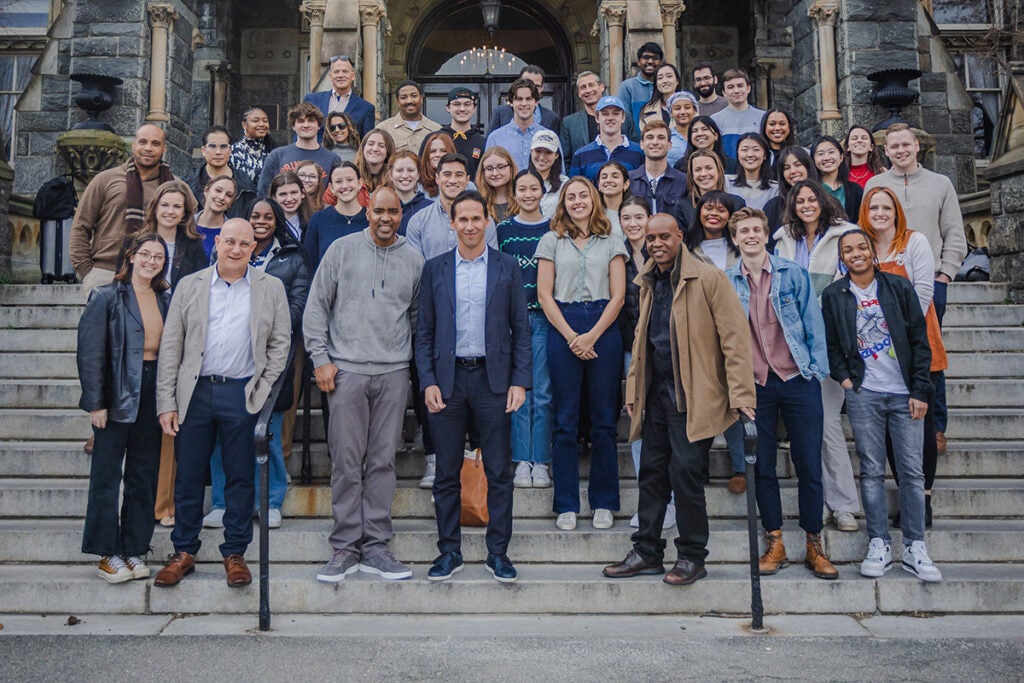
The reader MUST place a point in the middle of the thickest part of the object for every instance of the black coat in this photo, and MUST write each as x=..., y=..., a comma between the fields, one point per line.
x=907, y=329
x=630, y=312
x=189, y=257
x=289, y=266
x=110, y=343
x=685, y=211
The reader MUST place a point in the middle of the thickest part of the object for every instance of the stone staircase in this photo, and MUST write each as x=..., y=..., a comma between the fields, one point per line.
x=977, y=540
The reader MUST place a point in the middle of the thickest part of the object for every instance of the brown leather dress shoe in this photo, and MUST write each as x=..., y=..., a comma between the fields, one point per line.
x=684, y=573
x=737, y=483
x=633, y=565
x=774, y=557
x=237, y=571
x=817, y=561
x=177, y=568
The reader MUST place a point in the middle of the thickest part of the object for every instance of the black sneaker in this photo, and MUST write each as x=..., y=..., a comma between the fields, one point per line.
x=501, y=568
x=444, y=566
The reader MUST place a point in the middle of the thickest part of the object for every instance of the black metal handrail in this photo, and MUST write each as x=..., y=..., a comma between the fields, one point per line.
x=263, y=435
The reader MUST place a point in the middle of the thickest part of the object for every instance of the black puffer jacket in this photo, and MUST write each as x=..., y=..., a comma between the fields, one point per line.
x=289, y=266
x=110, y=343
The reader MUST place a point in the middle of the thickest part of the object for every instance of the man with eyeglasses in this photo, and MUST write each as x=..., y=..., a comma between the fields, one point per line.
x=342, y=98
x=216, y=151
x=224, y=344
x=636, y=92
x=305, y=120
x=469, y=143
x=705, y=84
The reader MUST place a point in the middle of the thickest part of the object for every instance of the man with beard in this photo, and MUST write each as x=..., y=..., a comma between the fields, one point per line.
x=705, y=84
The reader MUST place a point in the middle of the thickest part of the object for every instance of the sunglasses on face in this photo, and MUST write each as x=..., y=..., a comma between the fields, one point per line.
x=339, y=126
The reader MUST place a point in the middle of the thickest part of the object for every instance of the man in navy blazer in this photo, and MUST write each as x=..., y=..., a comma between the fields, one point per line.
x=342, y=98
x=473, y=356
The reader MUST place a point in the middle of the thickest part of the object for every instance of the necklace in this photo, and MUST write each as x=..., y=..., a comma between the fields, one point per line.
x=860, y=174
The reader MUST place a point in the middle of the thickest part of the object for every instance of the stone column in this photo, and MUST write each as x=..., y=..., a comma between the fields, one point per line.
x=614, y=14
x=762, y=73
x=370, y=16
x=670, y=12
x=825, y=13
x=313, y=11
x=161, y=19
x=219, y=77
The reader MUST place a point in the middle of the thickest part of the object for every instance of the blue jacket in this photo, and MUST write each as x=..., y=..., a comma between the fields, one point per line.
x=588, y=160
x=575, y=132
x=796, y=307
x=506, y=326
x=362, y=113
x=671, y=188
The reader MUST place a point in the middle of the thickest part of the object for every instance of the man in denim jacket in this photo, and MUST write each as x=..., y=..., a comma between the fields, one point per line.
x=787, y=335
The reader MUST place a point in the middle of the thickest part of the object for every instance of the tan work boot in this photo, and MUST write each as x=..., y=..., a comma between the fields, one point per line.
x=774, y=557
x=817, y=561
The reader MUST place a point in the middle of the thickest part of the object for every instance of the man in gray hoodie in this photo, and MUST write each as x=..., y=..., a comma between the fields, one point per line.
x=358, y=326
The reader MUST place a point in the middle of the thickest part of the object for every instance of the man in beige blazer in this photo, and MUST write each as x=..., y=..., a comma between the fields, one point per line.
x=224, y=344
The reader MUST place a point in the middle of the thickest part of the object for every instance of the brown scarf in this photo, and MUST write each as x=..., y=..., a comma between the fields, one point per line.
x=134, y=207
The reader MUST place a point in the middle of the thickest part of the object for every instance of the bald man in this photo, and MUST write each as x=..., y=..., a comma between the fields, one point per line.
x=113, y=205
x=373, y=277
x=225, y=342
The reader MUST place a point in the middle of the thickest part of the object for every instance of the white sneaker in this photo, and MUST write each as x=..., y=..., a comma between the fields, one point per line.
x=917, y=562
x=137, y=566
x=540, y=476
x=427, y=482
x=566, y=521
x=826, y=515
x=634, y=521
x=524, y=476
x=274, y=518
x=670, y=517
x=215, y=519
x=603, y=519
x=845, y=521
x=112, y=569
x=878, y=560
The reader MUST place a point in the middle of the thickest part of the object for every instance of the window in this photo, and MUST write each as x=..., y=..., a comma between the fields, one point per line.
x=15, y=71
x=980, y=75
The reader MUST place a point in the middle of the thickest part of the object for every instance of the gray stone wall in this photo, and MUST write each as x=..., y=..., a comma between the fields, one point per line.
x=804, y=79
x=1006, y=240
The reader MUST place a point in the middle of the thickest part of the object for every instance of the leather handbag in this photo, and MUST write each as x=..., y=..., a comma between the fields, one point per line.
x=474, y=490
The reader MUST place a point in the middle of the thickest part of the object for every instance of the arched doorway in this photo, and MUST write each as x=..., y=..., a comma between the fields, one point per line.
x=451, y=47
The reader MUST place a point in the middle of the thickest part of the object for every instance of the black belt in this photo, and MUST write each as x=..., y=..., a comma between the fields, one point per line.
x=221, y=379
x=470, y=362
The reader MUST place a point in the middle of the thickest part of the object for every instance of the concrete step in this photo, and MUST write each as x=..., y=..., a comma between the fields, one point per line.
x=978, y=393
x=542, y=589
x=42, y=295
x=40, y=317
x=38, y=366
x=983, y=315
x=983, y=339
x=976, y=365
x=63, y=340
x=28, y=394
x=536, y=541
x=953, y=498
x=976, y=293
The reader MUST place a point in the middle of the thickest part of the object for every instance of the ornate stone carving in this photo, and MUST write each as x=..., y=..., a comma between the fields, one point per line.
x=162, y=15
x=670, y=12
x=313, y=11
x=371, y=14
x=198, y=40
x=87, y=152
x=824, y=12
x=614, y=13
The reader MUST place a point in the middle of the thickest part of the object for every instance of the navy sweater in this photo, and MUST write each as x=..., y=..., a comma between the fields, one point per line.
x=520, y=240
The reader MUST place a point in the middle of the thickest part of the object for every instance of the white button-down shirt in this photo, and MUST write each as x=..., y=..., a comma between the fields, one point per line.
x=228, y=336
x=470, y=305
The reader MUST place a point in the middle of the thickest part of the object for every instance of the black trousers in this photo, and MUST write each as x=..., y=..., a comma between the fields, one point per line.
x=137, y=445
x=669, y=462
x=472, y=401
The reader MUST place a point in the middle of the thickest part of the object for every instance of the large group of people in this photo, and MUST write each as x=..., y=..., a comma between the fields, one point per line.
x=679, y=238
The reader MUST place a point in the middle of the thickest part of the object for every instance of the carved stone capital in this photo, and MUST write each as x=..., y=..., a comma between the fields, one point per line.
x=670, y=12
x=313, y=12
x=198, y=40
x=371, y=14
x=219, y=70
x=162, y=15
x=614, y=13
x=824, y=12
x=87, y=152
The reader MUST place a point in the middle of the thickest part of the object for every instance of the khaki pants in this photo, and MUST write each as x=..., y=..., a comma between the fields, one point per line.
x=96, y=277
x=165, y=480
x=288, y=424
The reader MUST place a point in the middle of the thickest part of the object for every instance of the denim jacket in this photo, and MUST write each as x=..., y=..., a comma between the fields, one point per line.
x=796, y=307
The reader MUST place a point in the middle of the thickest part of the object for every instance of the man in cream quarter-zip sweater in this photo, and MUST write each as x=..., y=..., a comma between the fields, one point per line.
x=358, y=327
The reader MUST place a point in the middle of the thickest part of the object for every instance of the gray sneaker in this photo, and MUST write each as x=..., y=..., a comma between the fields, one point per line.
x=342, y=563
x=385, y=565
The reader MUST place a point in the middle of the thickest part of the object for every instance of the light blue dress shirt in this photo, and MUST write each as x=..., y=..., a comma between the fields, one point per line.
x=430, y=231
x=470, y=305
x=516, y=141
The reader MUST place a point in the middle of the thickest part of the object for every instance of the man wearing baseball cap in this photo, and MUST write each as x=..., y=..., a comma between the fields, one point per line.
x=610, y=144
x=462, y=103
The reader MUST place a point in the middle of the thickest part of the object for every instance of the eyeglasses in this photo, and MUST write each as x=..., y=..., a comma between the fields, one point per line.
x=497, y=168
x=214, y=146
x=339, y=126
x=704, y=79
x=149, y=256
x=648, y=58
x=311, y=177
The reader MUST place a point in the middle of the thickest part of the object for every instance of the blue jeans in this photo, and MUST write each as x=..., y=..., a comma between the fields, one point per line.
x=734, y=439
x=799, y=402
x=531, y=424
x=872, y=413
x=278, y=477
x=603, y=376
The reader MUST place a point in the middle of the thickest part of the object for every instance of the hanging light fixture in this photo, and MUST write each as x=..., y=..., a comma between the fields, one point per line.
x=491, y=9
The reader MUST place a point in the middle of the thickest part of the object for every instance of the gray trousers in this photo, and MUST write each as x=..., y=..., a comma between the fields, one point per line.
x=364, y=434
x=836, y=466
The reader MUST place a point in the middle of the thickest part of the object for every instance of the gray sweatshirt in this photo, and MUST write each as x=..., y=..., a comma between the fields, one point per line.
x=361, y=310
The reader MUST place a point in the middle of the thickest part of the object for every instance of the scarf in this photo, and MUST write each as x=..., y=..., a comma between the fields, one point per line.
x=134, y=208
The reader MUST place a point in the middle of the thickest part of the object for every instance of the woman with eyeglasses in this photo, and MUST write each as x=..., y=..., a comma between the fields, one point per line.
x=118, y=344
x=312, y=177
x=342, y=138
x=249, y=152
x=494, y=179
